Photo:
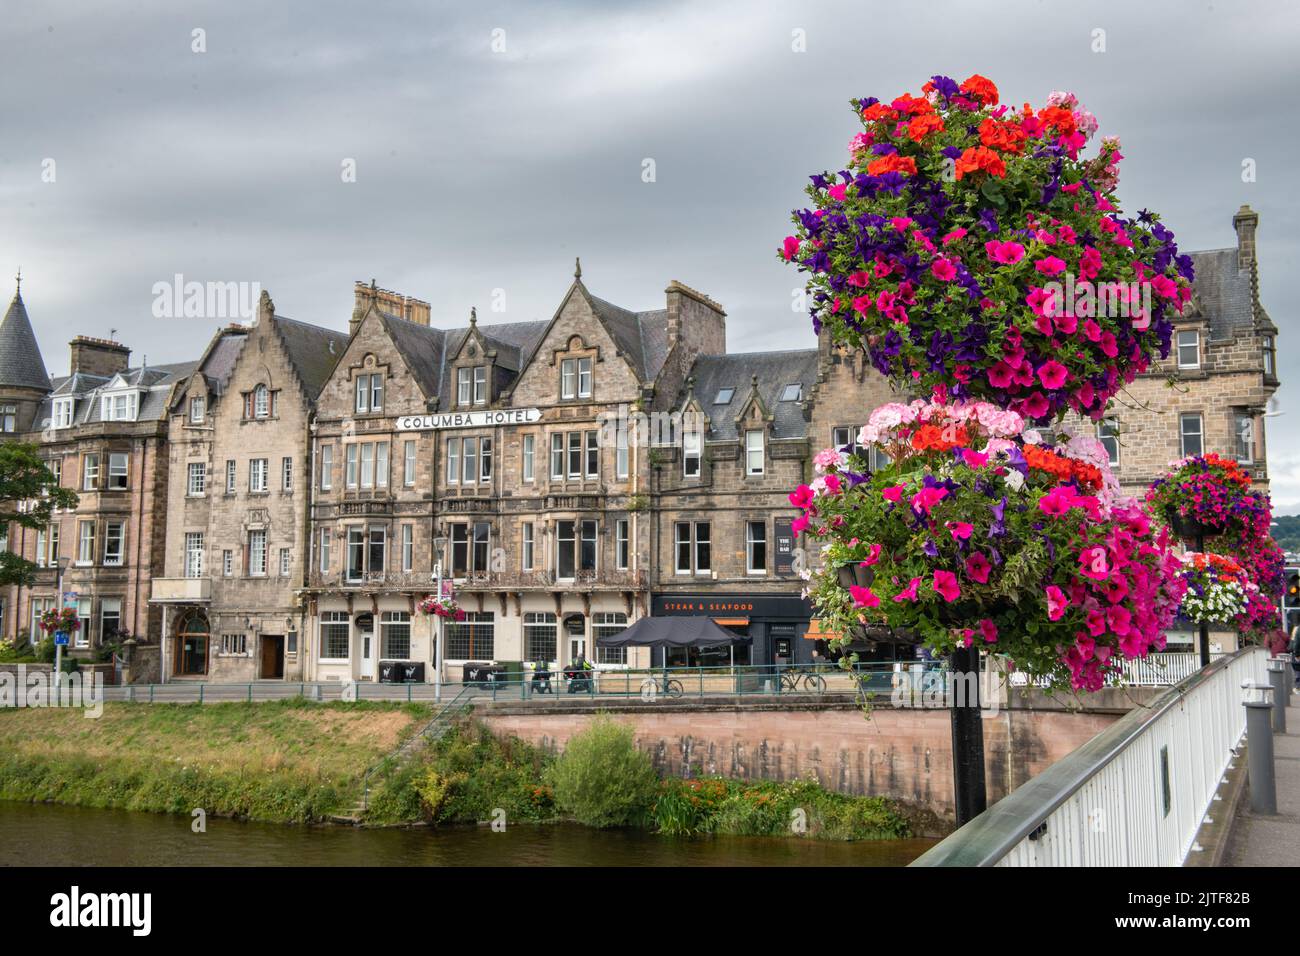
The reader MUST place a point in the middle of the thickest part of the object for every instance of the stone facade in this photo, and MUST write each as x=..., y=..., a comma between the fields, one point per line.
x=102, y=432
x=236, y=512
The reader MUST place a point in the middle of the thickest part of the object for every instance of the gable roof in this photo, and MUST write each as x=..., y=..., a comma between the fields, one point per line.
x=21, y=365
x=769, y=373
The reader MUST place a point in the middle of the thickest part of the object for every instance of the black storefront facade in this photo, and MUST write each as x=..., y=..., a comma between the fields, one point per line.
x=776, y=623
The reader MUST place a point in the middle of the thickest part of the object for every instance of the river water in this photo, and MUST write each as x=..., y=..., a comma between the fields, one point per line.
x=51, y=835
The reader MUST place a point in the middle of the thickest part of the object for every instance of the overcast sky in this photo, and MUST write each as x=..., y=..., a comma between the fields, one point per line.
x=482, y=169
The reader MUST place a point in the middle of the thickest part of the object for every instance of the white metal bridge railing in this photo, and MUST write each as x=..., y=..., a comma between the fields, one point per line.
x=1134, y=795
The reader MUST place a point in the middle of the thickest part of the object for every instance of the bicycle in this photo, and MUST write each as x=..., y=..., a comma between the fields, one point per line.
x=652, y=687
x=811, y=681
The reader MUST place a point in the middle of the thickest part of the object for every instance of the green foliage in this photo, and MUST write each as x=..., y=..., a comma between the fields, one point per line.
x=602, y=779
x=464, y=778
x=24, y=477
x=794, y=808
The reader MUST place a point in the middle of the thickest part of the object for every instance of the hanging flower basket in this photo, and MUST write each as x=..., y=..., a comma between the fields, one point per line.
x=441, y=607
x=54, y=621
x=1188, y=528
x=980, y=532
x=1213, y=495
x=971, y=247
x=1218, y=589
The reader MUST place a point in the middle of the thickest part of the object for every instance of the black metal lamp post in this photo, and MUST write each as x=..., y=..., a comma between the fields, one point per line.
x=967, y=736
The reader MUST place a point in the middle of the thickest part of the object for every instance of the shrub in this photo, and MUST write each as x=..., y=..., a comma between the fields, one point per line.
x=602, y=779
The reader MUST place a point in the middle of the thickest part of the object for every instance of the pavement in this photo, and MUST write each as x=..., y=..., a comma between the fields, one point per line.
x=1273, y=840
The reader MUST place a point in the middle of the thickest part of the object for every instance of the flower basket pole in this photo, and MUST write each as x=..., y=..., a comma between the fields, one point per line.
x=969, y=785
x=1189, y=528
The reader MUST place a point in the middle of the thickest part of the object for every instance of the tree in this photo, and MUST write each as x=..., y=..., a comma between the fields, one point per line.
x=29, y=493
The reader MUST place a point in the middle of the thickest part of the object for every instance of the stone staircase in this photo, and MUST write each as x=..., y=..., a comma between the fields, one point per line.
x=430, y=734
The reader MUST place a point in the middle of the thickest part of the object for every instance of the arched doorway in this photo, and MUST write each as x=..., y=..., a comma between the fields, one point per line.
x=192, y=637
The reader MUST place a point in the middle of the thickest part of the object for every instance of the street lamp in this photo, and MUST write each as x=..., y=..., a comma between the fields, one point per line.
x=439, y=549
x=63, y=563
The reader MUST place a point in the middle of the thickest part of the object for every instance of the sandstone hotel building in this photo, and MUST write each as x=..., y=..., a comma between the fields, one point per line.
x=287, y=490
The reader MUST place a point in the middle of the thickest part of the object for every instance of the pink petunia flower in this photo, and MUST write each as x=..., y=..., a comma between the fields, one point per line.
x=946, y=586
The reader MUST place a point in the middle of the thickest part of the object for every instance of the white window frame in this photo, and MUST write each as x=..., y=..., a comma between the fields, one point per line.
x=257, y=475
x=1111, y=425
x=85, y=543
x=192, y=556
x=90, y=472
x=119, y=466
x=692, y=452
x=528, y=546
x=1195, y=344
x=750, y=542
x=408, y=463
x=231, y=475
x=353, y=467
x=332, y=619
x=622, y=544
x=1238, y=420
x=286, y=474
x=196, y=479
x=755, y=444
x=1183, y=433
x=257, y=556
x=198, y=409
x=529, y=457
x=453, y=461
x=408, y=547
x=326, y=467
x=109, y=560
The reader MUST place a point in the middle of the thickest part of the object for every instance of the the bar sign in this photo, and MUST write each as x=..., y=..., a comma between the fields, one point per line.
x=783, y=532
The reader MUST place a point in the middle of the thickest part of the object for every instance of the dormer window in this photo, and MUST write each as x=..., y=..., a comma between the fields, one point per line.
x=1189, y=349
x=692, y=441
x=754, y=452
x=62, y=413
x=370, y=393
x=471, y=385
x=575, y=378
x=8, y=418
x=792, y=393
x=120, y=407
x=198, y=409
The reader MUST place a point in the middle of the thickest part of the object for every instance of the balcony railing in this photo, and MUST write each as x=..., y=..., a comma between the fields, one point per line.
x=182, y=589
x=619, y=580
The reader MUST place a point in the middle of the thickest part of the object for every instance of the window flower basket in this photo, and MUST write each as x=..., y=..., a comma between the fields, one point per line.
x=981, y=532
x=441, y=607
x=971, y=247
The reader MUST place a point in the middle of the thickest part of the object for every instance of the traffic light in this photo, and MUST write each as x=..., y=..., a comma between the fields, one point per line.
x=1293, y=589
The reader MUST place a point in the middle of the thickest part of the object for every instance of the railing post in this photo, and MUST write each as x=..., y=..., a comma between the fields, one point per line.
x=1259, y=747
x=1278, y=678
x=967, y=735
x=200, y=693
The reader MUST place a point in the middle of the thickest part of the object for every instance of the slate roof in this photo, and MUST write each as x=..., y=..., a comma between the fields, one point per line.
x=21, y=365
x=739, y=370
x=156, y=380
x=641, y=336
x=1224, y=291
x=313, y=351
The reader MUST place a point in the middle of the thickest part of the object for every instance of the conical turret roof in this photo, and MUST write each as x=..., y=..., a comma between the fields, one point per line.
x=21, y=365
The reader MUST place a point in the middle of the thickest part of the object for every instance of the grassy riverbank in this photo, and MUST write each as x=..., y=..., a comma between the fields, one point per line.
x=297, y=761
x=470, y=776
x=282, y=761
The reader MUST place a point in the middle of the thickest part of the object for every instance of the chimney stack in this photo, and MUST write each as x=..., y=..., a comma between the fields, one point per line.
x=695, y=321
x=1246, y=221
x=404, y=307
x=102, y=357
